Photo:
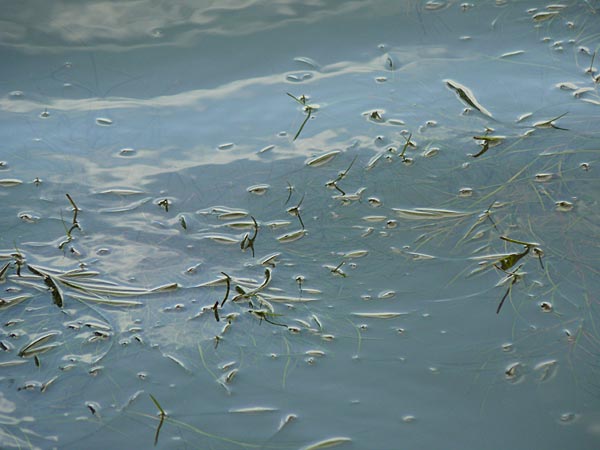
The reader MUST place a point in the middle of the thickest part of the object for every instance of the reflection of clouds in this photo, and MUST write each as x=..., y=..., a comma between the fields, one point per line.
x=115, y=21
x=183, y=99
x=127, y=23
x=195, y=98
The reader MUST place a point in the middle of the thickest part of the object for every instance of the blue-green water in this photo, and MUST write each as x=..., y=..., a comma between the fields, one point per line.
x=378, y=328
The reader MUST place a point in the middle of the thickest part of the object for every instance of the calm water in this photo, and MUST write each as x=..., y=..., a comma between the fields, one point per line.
x=363, y=261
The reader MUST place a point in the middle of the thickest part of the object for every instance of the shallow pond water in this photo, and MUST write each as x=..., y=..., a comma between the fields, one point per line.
x=283, y=225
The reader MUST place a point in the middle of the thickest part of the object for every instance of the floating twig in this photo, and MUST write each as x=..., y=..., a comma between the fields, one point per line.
x=228, y=281
x=340, y=177
x=514, y=277
x=247, y=241
x=162, y=414
x=407, y=143
x=295, y=211
x=308, y=109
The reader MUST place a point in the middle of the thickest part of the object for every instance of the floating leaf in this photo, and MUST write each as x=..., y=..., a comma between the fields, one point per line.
x=292, y=236
x=31, y=346
x=327, y=443
x=379, y=315
x=10, y=182
x=544, y=16
x=465, y=94
x=509, y=54
x=429, y=213
x=12, y=301
x=550, y=123
x=253, y=410
x=322, y=159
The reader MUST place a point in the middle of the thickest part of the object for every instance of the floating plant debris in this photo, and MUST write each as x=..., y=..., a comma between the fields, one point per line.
x=544, y=16
x=10, y=182
x=308, y=109
x=35, y=346
x=550, y=123
x=328, y=443
x=379, y=315
x=258, y=189
x=429, y=213
x=161, y=414
x=322, y=159
x=103, y=121
x=292, y=236
x=509, y=54
x=467, y=96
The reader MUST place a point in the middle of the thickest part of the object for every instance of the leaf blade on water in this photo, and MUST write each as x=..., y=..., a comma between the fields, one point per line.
x=467, y=96
x=328, y=443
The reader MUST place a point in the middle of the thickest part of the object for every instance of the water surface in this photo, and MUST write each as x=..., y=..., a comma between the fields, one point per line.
x=424, y=132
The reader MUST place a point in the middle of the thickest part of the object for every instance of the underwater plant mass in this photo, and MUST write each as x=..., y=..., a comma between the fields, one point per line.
x=300, y=225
